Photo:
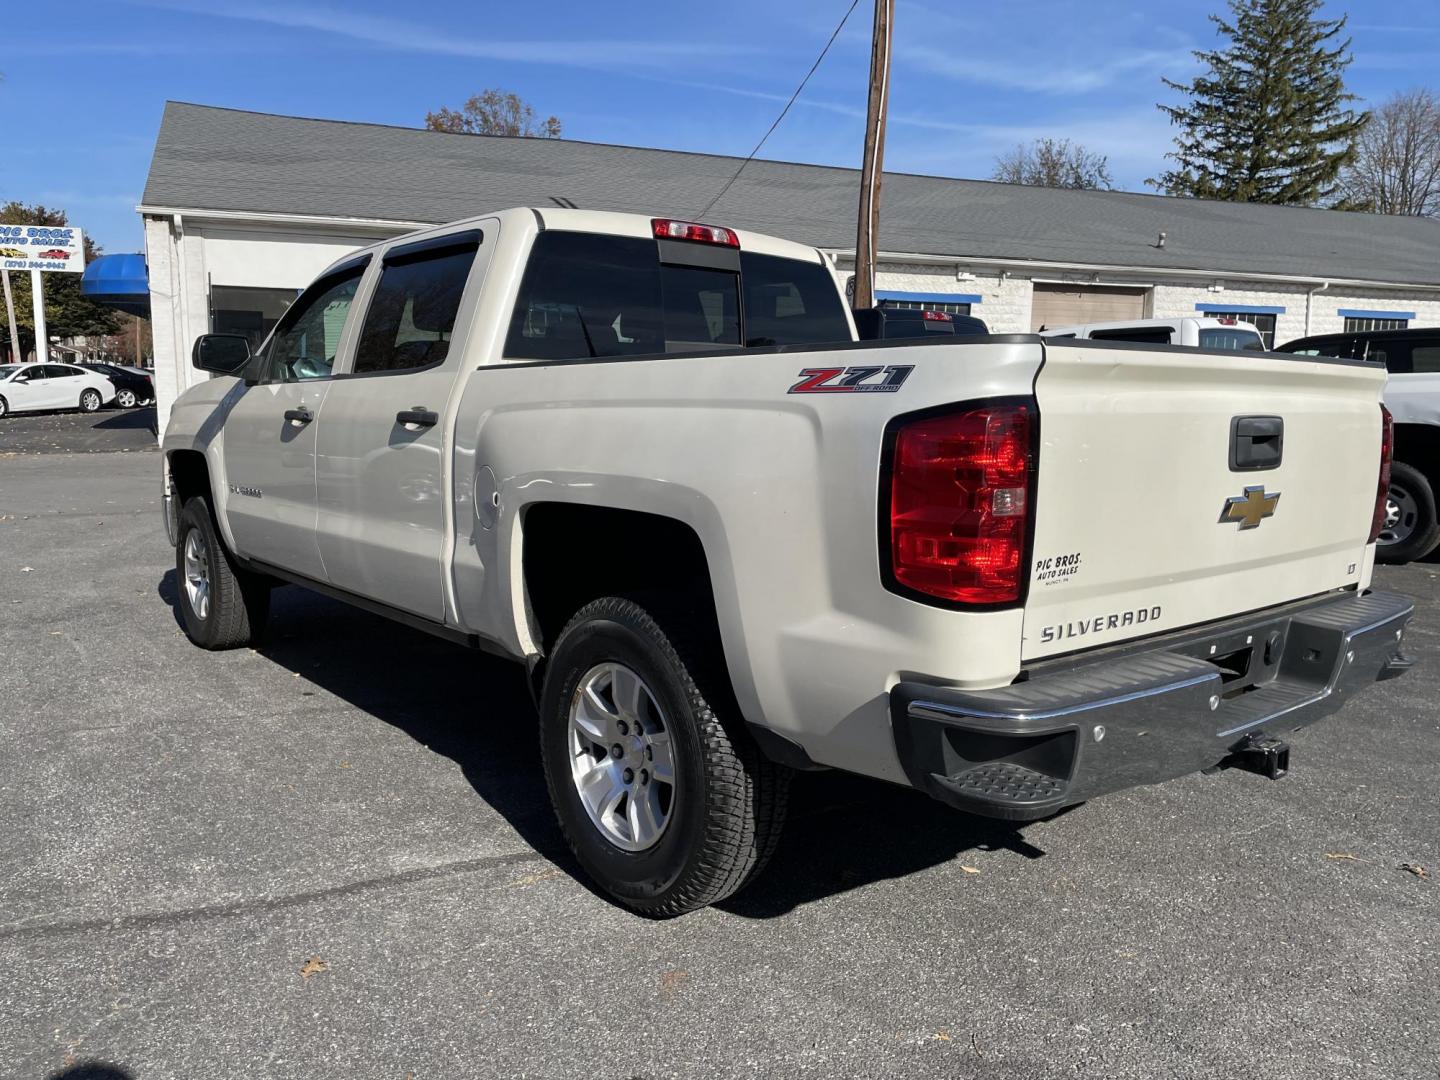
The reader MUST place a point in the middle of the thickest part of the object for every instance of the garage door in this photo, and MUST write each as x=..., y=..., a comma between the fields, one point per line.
x=1064, y=305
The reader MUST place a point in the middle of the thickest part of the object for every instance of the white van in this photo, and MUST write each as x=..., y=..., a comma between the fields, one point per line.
x=1203, y=333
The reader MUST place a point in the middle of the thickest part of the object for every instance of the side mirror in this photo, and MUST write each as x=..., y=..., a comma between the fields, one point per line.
x=223, y=354
x=22, y=378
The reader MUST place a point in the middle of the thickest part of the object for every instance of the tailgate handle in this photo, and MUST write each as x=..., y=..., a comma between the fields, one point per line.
x=1256, y=442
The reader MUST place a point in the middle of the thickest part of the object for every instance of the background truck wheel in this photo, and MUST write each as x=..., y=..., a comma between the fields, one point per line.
x=1411, y=530
x=663, y=797
x=221, y=605
x=90, y=401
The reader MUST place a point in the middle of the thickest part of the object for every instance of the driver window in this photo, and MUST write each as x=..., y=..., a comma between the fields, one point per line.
x=305, y=343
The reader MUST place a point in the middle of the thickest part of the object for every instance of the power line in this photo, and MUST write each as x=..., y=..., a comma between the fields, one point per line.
x=783, y=111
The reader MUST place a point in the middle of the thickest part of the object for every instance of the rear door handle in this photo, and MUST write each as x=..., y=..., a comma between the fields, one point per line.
x=301, y=415
x=419, y=416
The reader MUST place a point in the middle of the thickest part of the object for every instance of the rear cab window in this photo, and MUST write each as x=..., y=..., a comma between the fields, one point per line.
x=1145, y=335
x=1233, y=339
x=592, y=295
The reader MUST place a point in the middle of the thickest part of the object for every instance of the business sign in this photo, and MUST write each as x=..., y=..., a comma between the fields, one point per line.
x=42, y=247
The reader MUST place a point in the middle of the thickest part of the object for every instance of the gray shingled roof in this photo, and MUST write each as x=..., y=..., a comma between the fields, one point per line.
x=221, y=159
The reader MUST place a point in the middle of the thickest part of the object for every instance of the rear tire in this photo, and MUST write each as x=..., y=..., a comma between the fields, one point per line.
x=221, y=605
x=90, y=401
x=1411, y=530
x=722, y=814
x=126, y=399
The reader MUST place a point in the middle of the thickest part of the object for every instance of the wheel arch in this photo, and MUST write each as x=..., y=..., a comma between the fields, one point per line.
x=1418, y=445
x=572, y=552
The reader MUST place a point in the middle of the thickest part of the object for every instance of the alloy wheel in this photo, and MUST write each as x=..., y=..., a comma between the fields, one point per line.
x=621, y=757
x=1401, y=514
x=197, y=574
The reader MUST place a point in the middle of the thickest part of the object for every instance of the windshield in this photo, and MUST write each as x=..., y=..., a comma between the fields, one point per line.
x=1237, y=339
x=6, y=370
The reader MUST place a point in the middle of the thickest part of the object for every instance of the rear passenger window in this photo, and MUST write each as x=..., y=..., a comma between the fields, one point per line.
x=411, y=317
x=588, y=295
x=1425, y=359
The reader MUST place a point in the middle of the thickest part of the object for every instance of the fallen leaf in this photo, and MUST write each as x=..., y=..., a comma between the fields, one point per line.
x=531, y=879
x=970, y=869
x=1416, y=869
x=671, y=981
x=313, y=966
x=942, y=1036
x=1341, y=855
x=345, y=764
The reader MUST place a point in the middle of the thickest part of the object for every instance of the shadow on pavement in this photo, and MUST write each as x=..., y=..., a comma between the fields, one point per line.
x=844, y=831
x=129, y=420
x=92, y=1070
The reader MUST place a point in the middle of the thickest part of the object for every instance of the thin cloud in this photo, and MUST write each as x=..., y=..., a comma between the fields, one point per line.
x=1047, y=77
x=403, y=36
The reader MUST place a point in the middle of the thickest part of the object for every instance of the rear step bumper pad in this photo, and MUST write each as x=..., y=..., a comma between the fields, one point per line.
x=1027, y=750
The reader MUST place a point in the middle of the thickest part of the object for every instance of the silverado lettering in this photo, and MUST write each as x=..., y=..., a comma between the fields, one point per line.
x=1098, y=623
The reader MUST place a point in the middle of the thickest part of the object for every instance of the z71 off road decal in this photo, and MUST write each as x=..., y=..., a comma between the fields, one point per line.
x=852, y=380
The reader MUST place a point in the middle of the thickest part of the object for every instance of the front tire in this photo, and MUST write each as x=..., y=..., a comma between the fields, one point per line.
x=1411, y=529
x=663, y=797
x=90, y=401
x=4, y=407
x=221, y=605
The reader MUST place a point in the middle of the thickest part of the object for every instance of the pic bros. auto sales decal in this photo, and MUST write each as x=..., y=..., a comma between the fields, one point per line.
x=852, y=380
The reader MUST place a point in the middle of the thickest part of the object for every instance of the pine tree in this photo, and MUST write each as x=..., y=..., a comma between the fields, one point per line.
x=1268, y=121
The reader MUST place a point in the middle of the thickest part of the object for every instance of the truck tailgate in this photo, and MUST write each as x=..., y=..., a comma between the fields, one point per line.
x=1135, y=528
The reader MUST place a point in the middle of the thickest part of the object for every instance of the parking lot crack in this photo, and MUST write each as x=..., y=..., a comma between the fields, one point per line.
x=258, y=905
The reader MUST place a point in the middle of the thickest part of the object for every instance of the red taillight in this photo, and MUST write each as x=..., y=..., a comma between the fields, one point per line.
x=936, y=316
x=666, y=229
x=959, y=504
x=1387, y=452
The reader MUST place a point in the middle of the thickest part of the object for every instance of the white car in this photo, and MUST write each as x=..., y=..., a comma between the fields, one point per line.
x=1190, y=330
x=649, y=459
x=46, y=387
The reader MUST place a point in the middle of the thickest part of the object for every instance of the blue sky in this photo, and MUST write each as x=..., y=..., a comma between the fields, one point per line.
x=82, y=92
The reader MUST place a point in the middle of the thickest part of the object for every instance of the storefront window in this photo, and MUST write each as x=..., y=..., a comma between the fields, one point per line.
x=238, y=309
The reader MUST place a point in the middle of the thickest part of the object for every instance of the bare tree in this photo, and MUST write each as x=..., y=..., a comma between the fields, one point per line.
x=494, y=112
x=1396, y=169
x=1056, y=163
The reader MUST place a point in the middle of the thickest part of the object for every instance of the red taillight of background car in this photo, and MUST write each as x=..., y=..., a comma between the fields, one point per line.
x=960, y=503
x=1387, y=453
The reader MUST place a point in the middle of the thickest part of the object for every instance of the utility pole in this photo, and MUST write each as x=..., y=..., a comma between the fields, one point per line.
x=42, y=336
x=873, y=167
x=15, y=356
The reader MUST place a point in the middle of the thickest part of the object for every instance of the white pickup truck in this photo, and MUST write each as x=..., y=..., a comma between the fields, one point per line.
x=647, y=458
x=1201, y=332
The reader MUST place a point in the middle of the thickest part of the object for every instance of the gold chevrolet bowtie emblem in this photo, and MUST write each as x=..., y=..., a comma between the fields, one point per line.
x=1250, y=509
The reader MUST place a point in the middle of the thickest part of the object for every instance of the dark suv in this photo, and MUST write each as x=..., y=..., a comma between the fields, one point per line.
x=1411, y=529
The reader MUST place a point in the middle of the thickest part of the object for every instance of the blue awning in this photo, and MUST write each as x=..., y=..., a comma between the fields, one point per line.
x=118, y=281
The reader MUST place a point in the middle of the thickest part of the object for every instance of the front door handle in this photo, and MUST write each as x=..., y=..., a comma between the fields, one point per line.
x=301, y=415
x=419, y=416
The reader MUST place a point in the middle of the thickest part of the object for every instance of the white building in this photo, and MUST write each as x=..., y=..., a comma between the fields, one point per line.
x=242, y=209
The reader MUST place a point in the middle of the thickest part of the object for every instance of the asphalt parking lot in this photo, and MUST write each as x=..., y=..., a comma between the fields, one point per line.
x=106, y=431
x=335, y=857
